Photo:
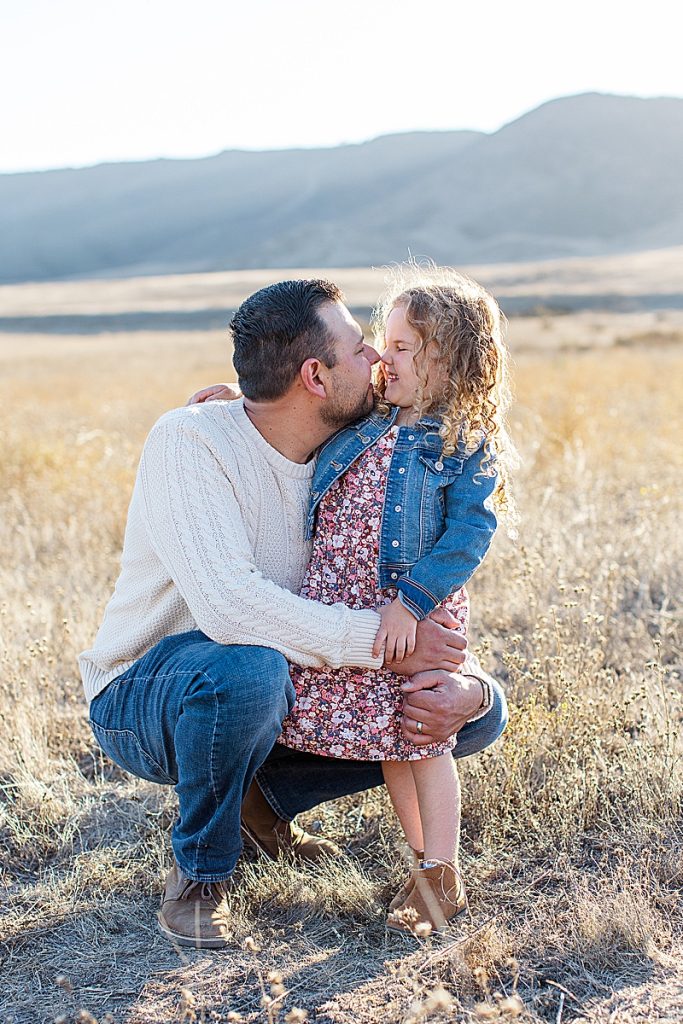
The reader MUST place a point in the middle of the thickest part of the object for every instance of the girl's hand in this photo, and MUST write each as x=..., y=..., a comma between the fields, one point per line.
x=214, y=393
x=397, y=630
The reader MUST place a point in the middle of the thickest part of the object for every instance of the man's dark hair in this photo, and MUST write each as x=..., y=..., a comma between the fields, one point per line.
x=275, y=330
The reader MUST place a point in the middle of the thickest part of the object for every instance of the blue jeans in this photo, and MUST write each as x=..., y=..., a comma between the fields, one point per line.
x=204, y=717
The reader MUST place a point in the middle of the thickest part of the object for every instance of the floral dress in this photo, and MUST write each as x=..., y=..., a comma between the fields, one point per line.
x=355, y=712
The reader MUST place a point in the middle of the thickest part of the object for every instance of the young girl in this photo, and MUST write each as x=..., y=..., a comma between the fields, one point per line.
x=405, y=504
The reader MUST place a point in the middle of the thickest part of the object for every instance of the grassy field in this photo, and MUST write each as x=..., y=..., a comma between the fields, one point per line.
x=572, y=282
x=573, y=835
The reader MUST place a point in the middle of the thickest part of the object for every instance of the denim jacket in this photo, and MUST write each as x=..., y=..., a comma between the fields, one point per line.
x=438, y=520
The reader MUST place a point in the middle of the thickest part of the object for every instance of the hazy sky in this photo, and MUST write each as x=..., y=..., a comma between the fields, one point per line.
x=84, y=81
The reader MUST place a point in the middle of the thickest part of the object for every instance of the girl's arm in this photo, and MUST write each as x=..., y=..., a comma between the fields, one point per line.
x=460, y=550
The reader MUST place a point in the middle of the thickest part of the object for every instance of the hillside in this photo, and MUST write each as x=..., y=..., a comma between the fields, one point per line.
x=578, y=176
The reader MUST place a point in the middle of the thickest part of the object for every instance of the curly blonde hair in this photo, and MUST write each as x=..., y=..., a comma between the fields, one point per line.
x=461, y=327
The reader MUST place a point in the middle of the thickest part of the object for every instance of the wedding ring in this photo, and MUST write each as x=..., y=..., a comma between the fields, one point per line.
x=419, y=727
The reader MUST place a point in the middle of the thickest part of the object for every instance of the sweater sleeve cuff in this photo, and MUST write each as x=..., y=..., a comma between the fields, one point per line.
x=471, y=669
x=362, y=633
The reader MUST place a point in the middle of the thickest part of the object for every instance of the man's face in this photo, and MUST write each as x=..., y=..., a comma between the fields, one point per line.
x=349, y=382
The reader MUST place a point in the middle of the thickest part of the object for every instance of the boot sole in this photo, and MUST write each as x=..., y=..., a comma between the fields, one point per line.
x=195, y=942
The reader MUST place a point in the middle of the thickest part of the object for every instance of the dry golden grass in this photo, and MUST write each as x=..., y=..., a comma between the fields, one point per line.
x=573, y=838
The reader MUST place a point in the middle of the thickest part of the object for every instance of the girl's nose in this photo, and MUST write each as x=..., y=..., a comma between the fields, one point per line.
x=385, y=358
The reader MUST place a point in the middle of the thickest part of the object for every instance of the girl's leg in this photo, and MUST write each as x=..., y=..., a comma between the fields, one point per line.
x=437, y=790
x=401, y=785
x=437, y=894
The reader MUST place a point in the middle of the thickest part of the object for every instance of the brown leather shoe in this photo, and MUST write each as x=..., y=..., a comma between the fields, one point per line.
x=275, y=837
x=193, y=913
x=437, y=896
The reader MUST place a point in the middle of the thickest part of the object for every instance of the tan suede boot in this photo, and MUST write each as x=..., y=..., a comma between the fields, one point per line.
x=193, y=913
x=275, y=837
x=437, y=896
x=407, y=887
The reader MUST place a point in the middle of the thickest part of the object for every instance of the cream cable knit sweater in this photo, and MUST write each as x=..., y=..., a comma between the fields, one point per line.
x=215, y=540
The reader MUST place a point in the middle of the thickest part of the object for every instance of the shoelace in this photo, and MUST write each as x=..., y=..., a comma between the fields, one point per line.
x=210, y=891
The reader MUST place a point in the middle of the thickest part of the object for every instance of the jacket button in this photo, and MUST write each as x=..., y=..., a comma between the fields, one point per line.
x=438, y=466
x=402, y=469
x=398, y=508
x=316, y=494
x=394, y=575
x=394, y=543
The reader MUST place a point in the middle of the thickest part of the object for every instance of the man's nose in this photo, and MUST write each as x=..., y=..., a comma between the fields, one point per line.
x=371, y=354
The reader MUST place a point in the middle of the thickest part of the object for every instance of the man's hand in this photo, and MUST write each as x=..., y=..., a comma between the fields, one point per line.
x=214, y=393
x=437, y=646
x=441, y=701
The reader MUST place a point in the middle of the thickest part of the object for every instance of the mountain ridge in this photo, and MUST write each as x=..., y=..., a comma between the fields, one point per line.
x=582, y=175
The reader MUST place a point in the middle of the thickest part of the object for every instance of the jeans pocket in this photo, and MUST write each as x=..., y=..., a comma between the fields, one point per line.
x=124, y=749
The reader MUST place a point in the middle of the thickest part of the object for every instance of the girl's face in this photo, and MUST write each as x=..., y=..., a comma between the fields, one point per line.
x=398, y=362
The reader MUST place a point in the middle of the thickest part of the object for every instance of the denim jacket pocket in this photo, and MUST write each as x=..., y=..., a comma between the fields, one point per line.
x=124, y=749
x=446, y=468
x=441, y=471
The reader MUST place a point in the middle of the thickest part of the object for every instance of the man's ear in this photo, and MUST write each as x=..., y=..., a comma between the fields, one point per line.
x=310, y=374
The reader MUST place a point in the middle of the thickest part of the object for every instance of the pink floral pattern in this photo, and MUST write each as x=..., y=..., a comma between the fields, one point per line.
x=353, y=712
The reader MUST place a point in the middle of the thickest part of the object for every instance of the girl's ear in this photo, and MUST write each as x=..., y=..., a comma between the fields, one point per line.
x=311, y=379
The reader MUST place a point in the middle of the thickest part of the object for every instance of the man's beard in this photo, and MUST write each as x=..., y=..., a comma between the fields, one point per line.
x=345, y=408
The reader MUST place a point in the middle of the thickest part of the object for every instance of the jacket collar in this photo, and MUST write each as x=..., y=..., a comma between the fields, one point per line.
x=382, y=420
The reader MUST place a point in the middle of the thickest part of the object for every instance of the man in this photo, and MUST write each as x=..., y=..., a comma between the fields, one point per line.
x=188, y=678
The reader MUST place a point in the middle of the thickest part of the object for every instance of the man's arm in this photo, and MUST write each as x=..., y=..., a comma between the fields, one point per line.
x=436, y=648
x=195, y=524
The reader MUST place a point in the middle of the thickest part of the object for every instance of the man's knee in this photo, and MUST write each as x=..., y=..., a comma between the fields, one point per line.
x=254, y=682
x=498, y=715
x=477, y=736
